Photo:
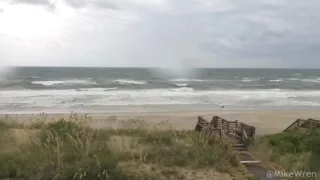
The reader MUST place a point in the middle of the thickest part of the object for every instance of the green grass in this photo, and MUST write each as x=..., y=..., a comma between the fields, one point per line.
x=66, y=149
x=291, y=150
x=63, y=150
x=296, y=142
x=197, y=154
x=183, y=149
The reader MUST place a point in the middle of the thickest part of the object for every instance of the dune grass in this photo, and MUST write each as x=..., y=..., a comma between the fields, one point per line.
x=62, y=150
x=66, y=149
x=291, y=151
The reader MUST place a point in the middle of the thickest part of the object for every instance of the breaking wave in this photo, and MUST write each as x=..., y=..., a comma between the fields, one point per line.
x=65, y=82
x=128, y=81
x=189, y=80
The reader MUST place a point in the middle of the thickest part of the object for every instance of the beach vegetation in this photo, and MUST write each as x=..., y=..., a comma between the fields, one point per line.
x=290, y=151
x=66, y=149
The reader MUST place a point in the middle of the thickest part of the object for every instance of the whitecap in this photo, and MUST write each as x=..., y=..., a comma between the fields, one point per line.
x=113, y=88
x=247, y=80
x=182, y=85
x=294, y=79
x=311, y=80
x=92, y=89
x=70, y=82
x=276, y=80
x=47, y=83
x=128, y=81
x=188, y=80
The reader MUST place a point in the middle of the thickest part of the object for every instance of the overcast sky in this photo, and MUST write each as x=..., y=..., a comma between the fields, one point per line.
x=160, y=33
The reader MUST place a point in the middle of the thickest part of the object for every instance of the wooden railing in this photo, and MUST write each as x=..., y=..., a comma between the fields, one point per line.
x=208, y=129
x=225, y=125
x=222, y=127
x=201, y=124
x=245, y=133
x=314, y=120
x=313, y=123
x=244, y=138
x=295, y=124
x=309, y=123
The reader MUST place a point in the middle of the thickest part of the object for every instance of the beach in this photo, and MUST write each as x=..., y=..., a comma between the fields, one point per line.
x=265, y=121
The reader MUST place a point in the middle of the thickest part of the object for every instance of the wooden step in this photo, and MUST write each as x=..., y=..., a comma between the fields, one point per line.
x=238, y=145
x=250, y=162
x=245, y=156
x=239, y=148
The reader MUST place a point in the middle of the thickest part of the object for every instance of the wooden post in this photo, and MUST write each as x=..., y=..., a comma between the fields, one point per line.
x=215, y=123
x=253, y=134
x=310, y=123
x=227, y=127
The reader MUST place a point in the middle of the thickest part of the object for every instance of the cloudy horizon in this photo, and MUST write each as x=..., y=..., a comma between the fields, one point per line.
x=160, y=33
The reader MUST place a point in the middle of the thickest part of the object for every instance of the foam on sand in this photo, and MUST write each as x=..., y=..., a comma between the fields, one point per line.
x=174, y=96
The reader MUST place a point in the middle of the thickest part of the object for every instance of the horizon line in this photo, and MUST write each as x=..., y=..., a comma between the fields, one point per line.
x=146, y=67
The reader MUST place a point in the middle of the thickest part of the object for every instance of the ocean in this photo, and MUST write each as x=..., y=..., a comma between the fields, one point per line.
x=66, y=89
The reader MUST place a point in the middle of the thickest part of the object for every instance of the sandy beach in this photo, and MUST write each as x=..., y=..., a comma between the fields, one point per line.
x=266, y=122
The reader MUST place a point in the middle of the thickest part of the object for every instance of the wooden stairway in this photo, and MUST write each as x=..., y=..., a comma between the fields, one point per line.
x=239, y=135
x=241, y=151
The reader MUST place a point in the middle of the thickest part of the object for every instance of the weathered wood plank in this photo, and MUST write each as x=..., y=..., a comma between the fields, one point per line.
x=250, y=162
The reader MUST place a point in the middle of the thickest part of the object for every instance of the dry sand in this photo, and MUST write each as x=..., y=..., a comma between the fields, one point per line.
x=266, y=122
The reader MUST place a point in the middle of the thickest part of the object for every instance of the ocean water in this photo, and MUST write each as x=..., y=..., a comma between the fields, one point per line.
x=57, y=89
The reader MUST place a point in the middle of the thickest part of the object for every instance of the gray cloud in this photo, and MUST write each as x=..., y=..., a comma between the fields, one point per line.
x=250, y=33
x=41, y=2
x=47, y=3
x=105, y=4
x=215, y=33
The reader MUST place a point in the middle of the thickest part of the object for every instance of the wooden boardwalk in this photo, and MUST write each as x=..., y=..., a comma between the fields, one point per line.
x=240, y=135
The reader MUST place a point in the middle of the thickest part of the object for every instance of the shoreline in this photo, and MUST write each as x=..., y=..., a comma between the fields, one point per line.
x=265, y=121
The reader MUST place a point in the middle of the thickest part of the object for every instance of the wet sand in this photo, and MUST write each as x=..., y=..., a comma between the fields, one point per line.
x=266, y=122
